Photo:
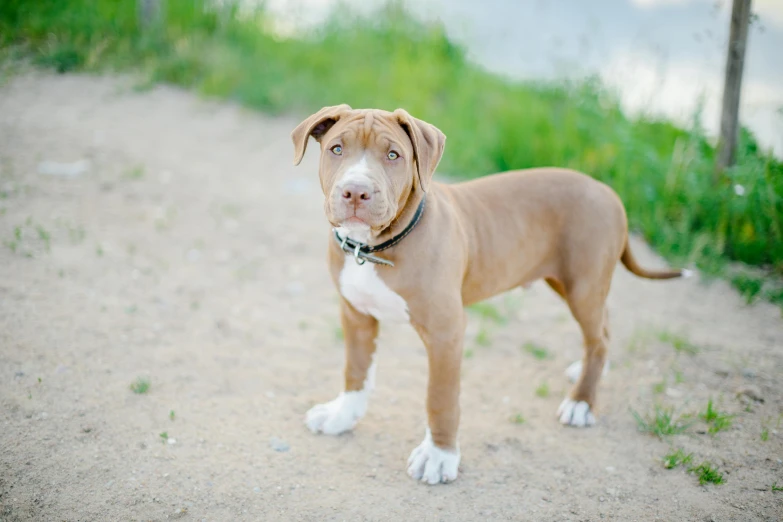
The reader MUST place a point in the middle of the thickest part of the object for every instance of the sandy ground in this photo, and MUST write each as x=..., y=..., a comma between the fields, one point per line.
x=192, y=253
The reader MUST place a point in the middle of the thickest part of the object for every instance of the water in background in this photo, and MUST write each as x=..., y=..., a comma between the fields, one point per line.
x=663, y=57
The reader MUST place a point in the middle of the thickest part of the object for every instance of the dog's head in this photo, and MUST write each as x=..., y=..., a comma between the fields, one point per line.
x=372, y=161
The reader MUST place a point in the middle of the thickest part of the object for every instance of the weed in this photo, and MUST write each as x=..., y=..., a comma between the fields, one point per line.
x=518, y=419
x=765, y=435
x=679, y=343
x=468, y=354
x=676, y=458
x=775, y=487
x=717, y=420
x=164, y=437
x=135, y=173
x=171, y=415
x=140, y=385
x=483, y=337
x=661, y=423
x=707, y=473
x=539, y=352
x=487, y=311
x=659, y=387
x=44, y=236
x=543, y=390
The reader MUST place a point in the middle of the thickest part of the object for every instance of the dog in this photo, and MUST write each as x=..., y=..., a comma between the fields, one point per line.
x=404, y=248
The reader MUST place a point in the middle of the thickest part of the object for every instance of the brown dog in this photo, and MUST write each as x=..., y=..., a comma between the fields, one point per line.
x=405, y=248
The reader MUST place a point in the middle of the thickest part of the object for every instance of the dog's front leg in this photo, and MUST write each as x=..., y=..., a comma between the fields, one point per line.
x=437, y=458
x=342, y=413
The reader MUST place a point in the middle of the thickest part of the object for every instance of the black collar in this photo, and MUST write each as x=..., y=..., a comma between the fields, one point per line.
x=362, y=252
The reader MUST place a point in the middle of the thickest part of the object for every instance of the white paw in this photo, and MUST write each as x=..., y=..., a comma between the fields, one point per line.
x=574, y=370
x=575, y=413
x=339, y=415
x=432, y=464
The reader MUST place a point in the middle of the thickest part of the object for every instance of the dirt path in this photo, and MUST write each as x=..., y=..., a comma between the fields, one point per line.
x=191, y=252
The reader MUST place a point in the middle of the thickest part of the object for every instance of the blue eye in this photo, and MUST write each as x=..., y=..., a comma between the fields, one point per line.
x=392, y=155
x=337, y=150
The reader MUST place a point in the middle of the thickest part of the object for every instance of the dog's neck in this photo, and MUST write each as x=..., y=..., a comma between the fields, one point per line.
x=403, y=217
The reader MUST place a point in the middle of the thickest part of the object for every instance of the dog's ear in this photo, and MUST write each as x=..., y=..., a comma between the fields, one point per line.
x=316, y=126
x=428, y=144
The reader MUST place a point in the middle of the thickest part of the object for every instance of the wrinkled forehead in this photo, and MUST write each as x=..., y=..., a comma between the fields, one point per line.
x=371, y=128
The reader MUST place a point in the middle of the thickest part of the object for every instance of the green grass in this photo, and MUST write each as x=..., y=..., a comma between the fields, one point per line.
x=717, y=420
x=676, y=458
x=662, y=172
x=140, y=386
x=172, y=415
x=518, y=419
x=487, y=312
x=164, y=437
x=765, y=435
x=483, y=337
x=543, y=390
x=662, y=422
x=775, y=487
x=679, y=342
x=539, y=352
x=707, y=474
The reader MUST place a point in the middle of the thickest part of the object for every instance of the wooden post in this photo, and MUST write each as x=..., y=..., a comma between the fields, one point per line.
x=735, y=60
x=150, y=12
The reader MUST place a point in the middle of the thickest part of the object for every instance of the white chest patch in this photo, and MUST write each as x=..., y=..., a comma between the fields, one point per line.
x=366, y=291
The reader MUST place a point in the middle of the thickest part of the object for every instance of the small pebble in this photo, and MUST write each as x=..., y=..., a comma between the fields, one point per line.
x=257, y=489
x=171, y=441
x=279, y=445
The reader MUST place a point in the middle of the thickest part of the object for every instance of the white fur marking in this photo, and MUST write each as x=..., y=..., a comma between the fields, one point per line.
x=367, y=292
x=357, y=172
x=574, y=370
x=575, y=413
x=342, y=414
x=432, y=464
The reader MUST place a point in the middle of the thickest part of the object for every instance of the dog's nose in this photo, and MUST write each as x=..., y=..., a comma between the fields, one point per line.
x=357, y=193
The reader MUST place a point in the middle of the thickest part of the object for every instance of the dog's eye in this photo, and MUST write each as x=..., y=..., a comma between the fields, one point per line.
x=337, y=150
x=392, y=155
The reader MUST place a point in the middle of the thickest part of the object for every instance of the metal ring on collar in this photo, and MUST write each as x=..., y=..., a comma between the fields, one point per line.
x=359, y=260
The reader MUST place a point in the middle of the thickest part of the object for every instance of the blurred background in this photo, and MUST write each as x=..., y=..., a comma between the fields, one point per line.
x=628, y=91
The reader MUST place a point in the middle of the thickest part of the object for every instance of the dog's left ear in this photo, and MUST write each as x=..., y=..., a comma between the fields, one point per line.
x=428, y=144
x=316, y=126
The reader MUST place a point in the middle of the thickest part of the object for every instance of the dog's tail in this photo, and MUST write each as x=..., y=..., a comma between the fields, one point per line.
x=630, y=263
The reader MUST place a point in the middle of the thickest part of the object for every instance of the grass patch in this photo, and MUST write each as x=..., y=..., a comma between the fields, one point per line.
x=543, y=390
x=483, y=337
x=680, y=343
x=718, y=421
x=765, y=435
x=164, y=437
x=662, y=172
x=487, y=312
x=140, y=386
x=172, y=415
x=676, y=458
x=662, y=422
x=518, y=419
x=539, y=352
x=775, y=487
x=707, y=474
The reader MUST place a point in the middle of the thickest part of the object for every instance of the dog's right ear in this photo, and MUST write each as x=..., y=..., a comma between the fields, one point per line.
x=316, y=126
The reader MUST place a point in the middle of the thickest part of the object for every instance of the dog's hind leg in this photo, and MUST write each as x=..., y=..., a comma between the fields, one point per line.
x=587, y=304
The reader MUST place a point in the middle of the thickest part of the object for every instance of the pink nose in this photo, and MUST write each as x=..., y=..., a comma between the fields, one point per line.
x=357, y=193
